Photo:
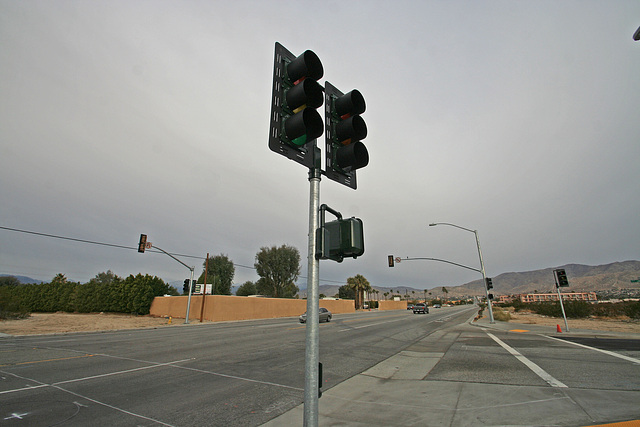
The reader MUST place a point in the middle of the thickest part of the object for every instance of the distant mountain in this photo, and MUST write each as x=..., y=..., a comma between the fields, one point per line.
x=23, y=279
x=617, y=275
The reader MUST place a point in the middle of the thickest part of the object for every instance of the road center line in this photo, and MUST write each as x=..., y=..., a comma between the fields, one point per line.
x=610, y=353
x=529, y=364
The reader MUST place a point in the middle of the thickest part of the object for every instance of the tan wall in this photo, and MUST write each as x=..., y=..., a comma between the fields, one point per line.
x=393, y=305
x=223, y=307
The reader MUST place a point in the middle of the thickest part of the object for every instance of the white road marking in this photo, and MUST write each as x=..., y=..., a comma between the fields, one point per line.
x=610, y=353
x=529, y=364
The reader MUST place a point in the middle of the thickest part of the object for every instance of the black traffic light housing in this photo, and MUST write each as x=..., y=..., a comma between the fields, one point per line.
x=391, y=261
x=295, y=124
x=344, y=130
x=142, y=244
x=185, y=286
x=561, y=277
x=489, y=282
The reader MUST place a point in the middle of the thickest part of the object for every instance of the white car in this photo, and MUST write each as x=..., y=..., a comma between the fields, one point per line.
x=324, y=314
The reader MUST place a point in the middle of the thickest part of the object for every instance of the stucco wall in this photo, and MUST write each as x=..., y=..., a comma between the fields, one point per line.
x=393, y=305
x=223, y=307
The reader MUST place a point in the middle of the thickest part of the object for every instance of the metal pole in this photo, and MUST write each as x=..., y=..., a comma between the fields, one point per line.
x=204, y=287
x=190, y=280
x=484, y=278
x=312, y=347
x=566, y=325
x=190, y=291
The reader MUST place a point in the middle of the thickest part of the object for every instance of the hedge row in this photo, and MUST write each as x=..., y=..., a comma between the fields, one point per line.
x=582, y=309
x=133, y=294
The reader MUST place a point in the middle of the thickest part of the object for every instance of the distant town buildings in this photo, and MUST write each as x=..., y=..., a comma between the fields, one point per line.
x=553, y=296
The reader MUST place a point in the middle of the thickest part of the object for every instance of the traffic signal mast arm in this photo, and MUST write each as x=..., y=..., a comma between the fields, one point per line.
x=443, y=260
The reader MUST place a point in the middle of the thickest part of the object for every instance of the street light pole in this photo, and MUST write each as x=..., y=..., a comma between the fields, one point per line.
x=484, y=276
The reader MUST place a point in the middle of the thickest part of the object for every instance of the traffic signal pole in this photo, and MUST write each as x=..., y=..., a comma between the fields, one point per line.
x=190, y=281
x=312, y=344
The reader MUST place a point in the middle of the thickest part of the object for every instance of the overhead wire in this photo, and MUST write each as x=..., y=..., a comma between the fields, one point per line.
x=135, y=248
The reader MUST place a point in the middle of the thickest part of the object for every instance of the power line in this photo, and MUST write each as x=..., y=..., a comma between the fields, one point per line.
x=135, y=248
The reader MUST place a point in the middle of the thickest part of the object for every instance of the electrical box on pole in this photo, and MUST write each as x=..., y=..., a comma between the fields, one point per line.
x=339, y=239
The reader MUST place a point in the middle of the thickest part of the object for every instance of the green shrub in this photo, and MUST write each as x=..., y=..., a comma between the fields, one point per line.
x=501, y=315
x=632, y=309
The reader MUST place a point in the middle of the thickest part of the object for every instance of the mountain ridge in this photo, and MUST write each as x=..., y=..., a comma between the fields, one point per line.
x=582, y=278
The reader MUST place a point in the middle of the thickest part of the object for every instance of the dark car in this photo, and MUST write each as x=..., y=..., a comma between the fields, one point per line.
x=323, y=314
x=420, y=308
x=409, y=306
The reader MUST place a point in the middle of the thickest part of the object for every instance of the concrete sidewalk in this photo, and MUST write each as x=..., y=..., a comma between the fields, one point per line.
x=398, y=392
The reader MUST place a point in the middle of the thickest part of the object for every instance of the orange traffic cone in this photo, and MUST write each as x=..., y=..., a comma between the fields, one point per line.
x=558, y=328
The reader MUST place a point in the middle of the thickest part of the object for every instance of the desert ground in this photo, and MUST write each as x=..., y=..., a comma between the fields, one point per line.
x=57, y=323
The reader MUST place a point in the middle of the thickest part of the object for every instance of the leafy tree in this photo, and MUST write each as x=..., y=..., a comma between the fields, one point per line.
x=346, y=292
x=247, y=288
x=360, y=284
x=9, y=281
x=59, y=278
x=220, y=272
x=278, y=268
x=106, y=278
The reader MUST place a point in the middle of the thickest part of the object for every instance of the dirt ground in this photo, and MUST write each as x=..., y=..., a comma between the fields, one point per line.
x=49, y=323
x=595, y=324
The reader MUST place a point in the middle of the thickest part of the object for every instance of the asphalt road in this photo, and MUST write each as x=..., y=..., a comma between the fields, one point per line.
x=227, y=374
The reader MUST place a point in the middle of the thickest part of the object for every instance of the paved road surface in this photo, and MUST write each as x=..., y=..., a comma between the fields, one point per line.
x=237, y=373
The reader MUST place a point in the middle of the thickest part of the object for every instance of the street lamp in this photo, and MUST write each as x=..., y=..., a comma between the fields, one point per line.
x=484, y=276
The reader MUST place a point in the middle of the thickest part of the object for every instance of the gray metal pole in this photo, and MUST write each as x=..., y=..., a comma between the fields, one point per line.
x=190, y=291
x=190, y=281
x=484, y=278
x=312, y=348
x=566, y=325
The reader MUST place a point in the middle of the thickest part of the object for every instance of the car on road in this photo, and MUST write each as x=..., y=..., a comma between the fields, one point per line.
x=409, y=306
x=323, y=314
x=436, y=306
x=420, y=308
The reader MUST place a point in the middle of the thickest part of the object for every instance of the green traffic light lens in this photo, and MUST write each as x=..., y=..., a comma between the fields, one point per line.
x=303, y=127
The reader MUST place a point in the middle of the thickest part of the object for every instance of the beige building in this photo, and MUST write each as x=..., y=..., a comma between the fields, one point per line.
x=569, y=296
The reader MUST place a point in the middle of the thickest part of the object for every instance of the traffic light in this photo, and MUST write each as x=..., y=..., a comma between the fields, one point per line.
x=142, y=244
x=489, y=282
x=562, y=277
x=490, y=296
x=391, y=263
x=295, y=123
x=185, y=287
x=344, y=129
x=339, y=239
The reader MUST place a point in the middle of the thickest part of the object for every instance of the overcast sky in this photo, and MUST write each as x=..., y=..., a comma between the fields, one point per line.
x=519, y=119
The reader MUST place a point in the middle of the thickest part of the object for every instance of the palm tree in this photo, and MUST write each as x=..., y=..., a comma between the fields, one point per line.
x=360, y=284
x=445, y=291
